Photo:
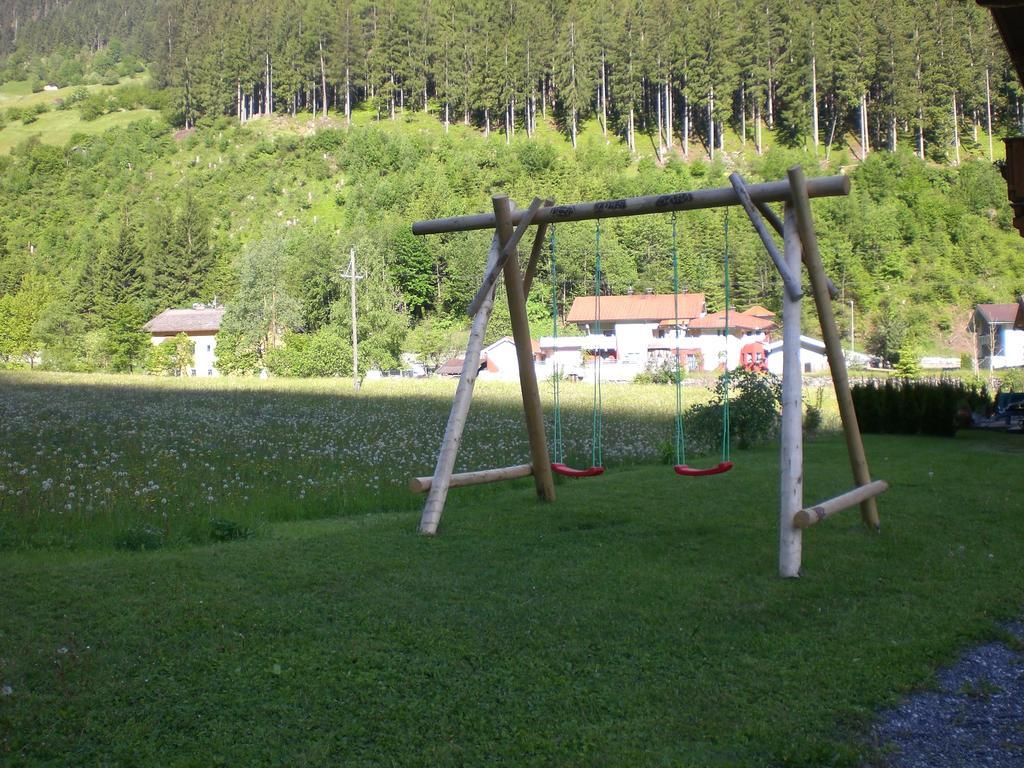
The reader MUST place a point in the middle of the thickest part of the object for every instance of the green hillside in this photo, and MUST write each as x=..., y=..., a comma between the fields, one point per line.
x=99, y=230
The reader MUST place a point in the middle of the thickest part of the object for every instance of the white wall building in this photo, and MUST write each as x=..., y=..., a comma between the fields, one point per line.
x=200, y=324
x=637, y=332
x=812, y=356
x=997, y=343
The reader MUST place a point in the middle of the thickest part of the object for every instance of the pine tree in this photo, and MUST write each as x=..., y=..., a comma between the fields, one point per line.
x=180, y=268
x=119, y=278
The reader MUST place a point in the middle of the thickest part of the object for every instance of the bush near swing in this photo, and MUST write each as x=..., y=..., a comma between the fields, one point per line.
x=755, y=406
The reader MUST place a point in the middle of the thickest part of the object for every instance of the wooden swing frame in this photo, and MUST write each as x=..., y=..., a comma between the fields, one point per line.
x=800, y=247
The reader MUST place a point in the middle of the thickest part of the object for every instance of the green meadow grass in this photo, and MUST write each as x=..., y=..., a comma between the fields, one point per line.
x=636, y=621
x=92, y=461
x=60, y=125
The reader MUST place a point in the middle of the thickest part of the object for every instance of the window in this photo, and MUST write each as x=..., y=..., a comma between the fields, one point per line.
x=807, y=367
x=192, y=372
x=209, y=347
x=691, y=362
x=209, y=371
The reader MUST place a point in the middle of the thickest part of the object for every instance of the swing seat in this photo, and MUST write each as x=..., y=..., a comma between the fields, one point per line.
x=687, y=471
x=567, y=471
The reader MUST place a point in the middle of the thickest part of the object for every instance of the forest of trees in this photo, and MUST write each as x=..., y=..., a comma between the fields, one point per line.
x=926, y=74
x=101, y=233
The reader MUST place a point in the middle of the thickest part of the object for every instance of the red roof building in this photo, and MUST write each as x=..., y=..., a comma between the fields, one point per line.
x=636, y=308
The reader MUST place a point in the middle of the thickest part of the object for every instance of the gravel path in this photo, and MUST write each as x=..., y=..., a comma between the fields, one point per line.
x=976, y=718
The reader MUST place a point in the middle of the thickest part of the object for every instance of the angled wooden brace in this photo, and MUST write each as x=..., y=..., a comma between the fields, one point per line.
x=790, y=280
x=495, y=268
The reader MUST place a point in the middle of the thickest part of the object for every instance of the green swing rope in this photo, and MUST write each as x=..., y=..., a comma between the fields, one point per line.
x=557, y=439
x=557, y=433
x=597, y=459
x=725, y=399
x=680, y=432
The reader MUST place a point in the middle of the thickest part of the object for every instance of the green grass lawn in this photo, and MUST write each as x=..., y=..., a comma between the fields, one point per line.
x=636, y=621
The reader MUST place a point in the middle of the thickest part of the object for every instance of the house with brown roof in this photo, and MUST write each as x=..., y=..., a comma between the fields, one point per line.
x=636, y=332
x=997, y=343
x=200, y=323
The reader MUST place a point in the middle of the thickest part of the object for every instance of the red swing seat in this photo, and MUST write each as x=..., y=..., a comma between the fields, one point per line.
x=567, y=471
x=687, y=471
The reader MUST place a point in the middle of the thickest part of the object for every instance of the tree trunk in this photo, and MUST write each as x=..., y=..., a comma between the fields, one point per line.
x=920, y=132
x=711, y=123
x=864, y=148
x=323, y=78
x=348, y=98
x=956, y=132
x=757, y=129
x=988, y=113
x=686, y=124
x=743, y=112
x=814, y=102
x=604, y=96
x=661, y=126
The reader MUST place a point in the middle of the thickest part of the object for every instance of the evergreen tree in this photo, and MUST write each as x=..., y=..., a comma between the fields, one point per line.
x=185, y=258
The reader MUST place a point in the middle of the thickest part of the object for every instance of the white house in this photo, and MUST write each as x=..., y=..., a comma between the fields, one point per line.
x=812, y=356
x=635, y=332
x=200, y=324
x=499, y=361
x=997, y=343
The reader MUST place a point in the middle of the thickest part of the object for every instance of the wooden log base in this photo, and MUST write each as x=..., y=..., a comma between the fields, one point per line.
x=808, y=516
x=479, y=477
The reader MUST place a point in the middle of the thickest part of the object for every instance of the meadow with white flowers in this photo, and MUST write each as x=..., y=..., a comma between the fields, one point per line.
x=142, y=462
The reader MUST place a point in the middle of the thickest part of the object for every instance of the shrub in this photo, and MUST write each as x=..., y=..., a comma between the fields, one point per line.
x=659, y=373
x=94, y=107
x=754, y=402
x=902, y=406
x=141, y=537
x=228, y=530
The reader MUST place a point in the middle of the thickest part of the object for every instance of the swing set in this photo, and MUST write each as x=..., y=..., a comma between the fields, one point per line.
x=558, y=465
x=800, y=247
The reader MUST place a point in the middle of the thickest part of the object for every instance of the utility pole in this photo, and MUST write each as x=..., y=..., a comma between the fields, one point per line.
x=351, y=276
x=851, y=330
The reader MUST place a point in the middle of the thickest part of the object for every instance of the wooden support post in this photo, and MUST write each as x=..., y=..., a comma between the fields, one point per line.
x=542, y=474
x=791, y=459
x=833, y=344
x=434, y=506
x=805, y=518
x=461, y=479
x=507, y=251
x=790, y=277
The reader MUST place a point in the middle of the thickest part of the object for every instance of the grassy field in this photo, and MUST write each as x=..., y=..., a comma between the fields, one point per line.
x=57, y=126
x=89, y=460
x=637, y=621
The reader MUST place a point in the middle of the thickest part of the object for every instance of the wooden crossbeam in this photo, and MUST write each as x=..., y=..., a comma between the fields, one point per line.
x=770, y=192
